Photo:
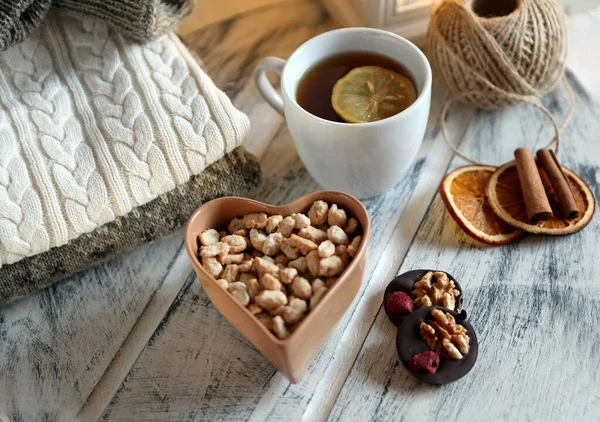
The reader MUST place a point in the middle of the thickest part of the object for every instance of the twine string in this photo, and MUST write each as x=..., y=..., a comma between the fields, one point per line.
x=556, y=140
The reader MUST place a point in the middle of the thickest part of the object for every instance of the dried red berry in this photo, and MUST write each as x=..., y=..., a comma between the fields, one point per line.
x=399, y=303
x=427, y=362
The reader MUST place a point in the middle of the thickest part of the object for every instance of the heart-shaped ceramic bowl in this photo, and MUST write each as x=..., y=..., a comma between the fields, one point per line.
x=292, y=355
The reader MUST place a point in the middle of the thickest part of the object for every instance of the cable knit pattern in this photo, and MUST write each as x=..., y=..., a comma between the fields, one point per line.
x=179, y=94
x=71, y=161
x=83, y=99
x=124, y=122
x=22, y=230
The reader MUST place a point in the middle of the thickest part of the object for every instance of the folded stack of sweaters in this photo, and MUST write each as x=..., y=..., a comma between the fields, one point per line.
x=111, y=135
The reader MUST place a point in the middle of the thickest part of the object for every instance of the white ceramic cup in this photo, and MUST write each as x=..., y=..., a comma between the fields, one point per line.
x=363, y=159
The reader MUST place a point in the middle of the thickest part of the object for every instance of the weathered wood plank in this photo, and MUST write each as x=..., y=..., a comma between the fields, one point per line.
x=531, y=303
x=138, y=337
x=56, y=344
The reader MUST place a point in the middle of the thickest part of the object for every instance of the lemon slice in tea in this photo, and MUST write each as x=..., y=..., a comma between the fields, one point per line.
x=371, y=93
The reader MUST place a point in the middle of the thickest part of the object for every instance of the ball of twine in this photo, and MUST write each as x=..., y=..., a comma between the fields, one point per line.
x=520, y=54
x=496, y=53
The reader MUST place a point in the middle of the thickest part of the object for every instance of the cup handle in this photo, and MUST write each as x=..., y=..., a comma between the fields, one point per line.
x=271, y=95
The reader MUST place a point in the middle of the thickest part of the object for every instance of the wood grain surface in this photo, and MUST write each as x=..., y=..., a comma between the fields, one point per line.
x=136, y=339
x=56, y=344
x=532, y=303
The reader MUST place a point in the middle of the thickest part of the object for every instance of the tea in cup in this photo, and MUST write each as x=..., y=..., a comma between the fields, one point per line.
x=321, y=104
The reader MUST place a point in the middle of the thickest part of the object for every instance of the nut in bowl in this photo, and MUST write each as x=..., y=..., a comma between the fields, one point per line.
x=286, y=307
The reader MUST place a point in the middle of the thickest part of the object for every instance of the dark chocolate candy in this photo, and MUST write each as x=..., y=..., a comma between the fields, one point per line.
x=409, y=342
x=405, y=283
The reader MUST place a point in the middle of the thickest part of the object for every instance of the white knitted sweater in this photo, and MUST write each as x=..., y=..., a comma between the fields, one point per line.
x=93, y=125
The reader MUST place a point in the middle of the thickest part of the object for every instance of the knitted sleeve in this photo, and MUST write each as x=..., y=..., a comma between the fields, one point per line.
x=139, y=19
x=18, y=18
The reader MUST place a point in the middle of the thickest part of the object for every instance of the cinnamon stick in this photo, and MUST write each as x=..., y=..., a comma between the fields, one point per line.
x=559, y=182
x=536, y=201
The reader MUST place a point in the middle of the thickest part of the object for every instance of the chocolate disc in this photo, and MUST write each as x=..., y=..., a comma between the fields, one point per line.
x=409, y=342
x=405, y=283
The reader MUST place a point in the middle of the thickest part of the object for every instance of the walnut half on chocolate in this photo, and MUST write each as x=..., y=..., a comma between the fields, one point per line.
x=441, y=293
x=444, y=336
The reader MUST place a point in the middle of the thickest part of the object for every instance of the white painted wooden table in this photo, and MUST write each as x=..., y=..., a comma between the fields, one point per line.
x=137, y=339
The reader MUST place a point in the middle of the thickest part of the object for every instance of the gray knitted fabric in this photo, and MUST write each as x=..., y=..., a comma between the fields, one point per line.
x=139, y=19
x=18, y=18
x=237, y=174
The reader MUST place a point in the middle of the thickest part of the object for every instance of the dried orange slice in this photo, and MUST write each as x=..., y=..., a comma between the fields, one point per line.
x=371, y=93
x=506, y=199
x=463, y=192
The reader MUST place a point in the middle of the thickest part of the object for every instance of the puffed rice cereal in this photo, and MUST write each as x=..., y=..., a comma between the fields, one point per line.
x=279, y=267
